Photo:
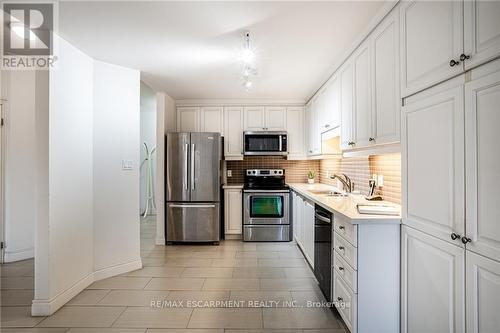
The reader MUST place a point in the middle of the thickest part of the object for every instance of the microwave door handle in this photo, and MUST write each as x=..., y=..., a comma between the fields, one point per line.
x=192, y=166
x=280, y=143
x=185, y=173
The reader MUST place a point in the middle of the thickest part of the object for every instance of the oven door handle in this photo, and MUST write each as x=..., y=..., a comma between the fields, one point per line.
x=266, y=191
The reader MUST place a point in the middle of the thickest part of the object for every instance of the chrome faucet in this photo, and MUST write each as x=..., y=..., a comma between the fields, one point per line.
x=347, y=183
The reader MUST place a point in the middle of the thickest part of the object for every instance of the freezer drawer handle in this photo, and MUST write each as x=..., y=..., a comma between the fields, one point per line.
x=192, y=206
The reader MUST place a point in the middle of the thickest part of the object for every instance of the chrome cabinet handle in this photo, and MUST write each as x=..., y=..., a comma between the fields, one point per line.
x=453, y=62
x=191, y=206
x=341, y=227
x=371, y=139
x=340, y=299
x=341, y=248
x=454, y=236
x=327, y=125
x=464, y=57
x=466, y=240
x=192, y=165
x=341, y=268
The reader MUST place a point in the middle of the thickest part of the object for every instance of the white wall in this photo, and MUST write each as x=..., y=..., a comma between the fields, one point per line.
x=87, y=224
x=19, y=87
x=148, y=135
x=165, y=122
x=116, y=191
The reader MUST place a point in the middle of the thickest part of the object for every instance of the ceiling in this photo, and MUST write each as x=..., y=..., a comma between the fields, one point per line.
x=191, y=50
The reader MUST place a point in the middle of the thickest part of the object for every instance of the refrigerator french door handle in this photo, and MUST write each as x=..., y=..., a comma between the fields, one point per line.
x=185, y=173
x=192, y=165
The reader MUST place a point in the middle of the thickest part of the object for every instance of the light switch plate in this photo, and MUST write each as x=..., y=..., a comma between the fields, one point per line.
x=127, y=165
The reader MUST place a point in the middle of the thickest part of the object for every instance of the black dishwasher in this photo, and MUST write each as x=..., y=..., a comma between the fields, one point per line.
x=323, y=249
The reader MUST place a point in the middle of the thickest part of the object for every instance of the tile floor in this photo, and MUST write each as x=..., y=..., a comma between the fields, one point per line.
x=239, y=276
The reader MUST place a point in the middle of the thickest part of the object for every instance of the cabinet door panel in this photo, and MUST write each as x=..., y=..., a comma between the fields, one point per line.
x=295, y=130
x=386, y=100
x=432, y=36
x=308, y=231
x=482, y=31
x=362, y=96
x=433, y=164
x=346, y=104
x=188, y=119
x=432, y=282
x=483, y=293
x=275, y=118
x=212, y=119
x=482, y=98
x=254, y=118
x=233, y=207
x=233, y=132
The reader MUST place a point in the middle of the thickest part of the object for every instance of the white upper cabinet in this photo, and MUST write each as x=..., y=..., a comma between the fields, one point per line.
x=212, y=119
x=362, y=96
x=432, y=284
x=255, y=118
x=188, y=119
x=433, y=164
x=483, y=293
x=295, y=129
x=346, y=105
x=432, y=36
x=482, y=100
x=385, y=80
x=482, y=31
x=275, y=118
x=314, y=134
x=233, y=133
x=330, y=110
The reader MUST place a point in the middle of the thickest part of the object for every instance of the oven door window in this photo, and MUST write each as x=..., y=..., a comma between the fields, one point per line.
x=256, y=143
x=262, y=206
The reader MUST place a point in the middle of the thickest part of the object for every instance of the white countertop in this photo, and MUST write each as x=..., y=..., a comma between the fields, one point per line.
x=344, y=205
x=232, y=186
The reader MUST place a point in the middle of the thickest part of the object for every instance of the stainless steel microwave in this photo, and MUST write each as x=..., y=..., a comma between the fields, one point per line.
x=265, y=143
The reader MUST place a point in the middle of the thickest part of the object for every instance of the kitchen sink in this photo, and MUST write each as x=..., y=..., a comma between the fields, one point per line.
x=329, y=193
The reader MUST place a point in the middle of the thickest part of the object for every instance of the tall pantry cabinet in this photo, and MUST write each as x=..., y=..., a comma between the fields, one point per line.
x=451, y=236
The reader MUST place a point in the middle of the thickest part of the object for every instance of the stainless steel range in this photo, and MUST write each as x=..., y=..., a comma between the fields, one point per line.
x=266, y=206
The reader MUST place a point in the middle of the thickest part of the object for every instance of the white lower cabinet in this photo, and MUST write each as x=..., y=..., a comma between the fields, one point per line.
x=233, y=211
x=432, y=284
x=303, y=226
x=482, y=293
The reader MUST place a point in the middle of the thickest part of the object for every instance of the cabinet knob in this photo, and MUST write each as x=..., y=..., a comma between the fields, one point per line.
x=340, y=299
x=341, y=247
x=454, y=236
x=371, y=139
x=341, y=268
x=453, y=62
x=464, y=57
x=327, y=125
x=466, y=240
x=351, y=143
x=341, y=227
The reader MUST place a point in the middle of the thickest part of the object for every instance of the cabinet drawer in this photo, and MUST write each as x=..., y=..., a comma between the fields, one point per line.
x=342, y=269
x=345, y=250
x=346, y=303
x=346, y=229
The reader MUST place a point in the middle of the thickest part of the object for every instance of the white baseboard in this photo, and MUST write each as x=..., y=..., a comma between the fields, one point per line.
x=19, y=255
x=117, y=270
x=48, y=307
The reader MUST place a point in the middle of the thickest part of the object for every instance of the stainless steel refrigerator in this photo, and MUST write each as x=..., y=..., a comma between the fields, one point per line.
x=193, y=163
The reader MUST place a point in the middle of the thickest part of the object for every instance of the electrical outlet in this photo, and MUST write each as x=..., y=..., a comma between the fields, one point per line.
x=229, y=173
x=127, y=165
x=327, y=173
